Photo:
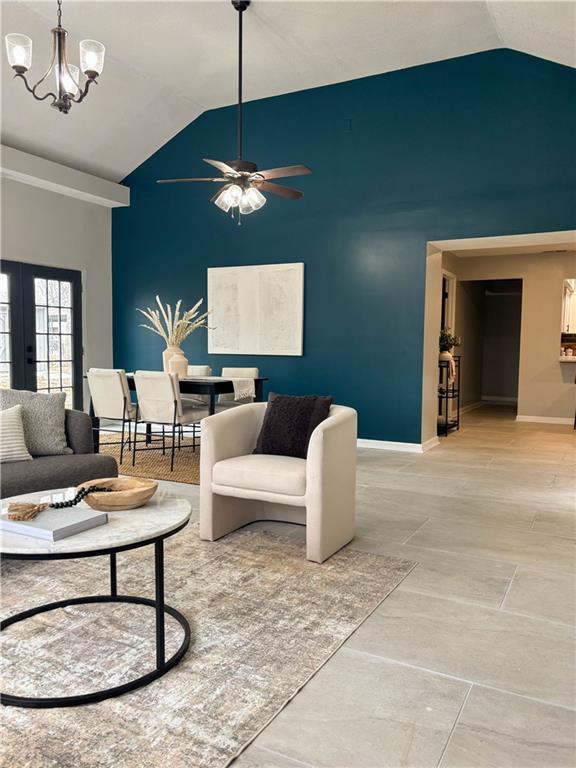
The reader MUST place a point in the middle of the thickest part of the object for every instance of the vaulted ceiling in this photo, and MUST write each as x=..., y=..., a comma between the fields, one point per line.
x=167, y=62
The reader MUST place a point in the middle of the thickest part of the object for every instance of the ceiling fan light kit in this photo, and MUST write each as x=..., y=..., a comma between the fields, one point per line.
x=69, y=89
x=243, y=182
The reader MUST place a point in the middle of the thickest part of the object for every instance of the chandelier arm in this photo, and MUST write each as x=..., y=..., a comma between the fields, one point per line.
x=33, y=90
x=84, y=92
x=50, y=66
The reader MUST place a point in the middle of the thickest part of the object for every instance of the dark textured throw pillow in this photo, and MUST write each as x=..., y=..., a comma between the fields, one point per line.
x=289, y=422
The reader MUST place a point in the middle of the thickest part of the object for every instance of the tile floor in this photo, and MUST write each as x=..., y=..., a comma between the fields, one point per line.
x=470, y=662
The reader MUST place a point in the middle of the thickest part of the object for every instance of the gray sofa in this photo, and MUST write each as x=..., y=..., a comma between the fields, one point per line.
x=47, y=472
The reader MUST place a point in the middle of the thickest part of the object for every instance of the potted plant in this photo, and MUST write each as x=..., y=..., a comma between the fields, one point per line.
x=174, y=327
x=447, y=343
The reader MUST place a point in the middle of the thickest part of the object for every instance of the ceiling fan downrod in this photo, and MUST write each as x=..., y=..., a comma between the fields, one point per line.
x=240, y=164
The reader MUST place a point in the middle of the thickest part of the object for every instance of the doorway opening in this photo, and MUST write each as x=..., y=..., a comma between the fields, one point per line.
x=544, y=370
x=489, y=322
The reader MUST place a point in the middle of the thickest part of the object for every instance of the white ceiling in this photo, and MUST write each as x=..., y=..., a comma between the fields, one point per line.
x=167, y=62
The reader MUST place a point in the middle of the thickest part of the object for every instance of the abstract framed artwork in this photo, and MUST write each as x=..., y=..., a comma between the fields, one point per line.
x=256, y=310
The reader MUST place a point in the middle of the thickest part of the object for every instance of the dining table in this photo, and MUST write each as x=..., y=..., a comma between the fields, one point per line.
x=210, y=386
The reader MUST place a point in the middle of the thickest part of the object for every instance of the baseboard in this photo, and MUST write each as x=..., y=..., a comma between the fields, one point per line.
x=471, y=406
x=497, y=399
x=547, y=419
x=389, y=445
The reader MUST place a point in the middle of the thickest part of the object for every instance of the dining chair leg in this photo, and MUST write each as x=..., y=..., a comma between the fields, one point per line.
x=134, y=442
x=163, y=441
x=173, y=438
x=173, y=447
x=179, y=438
x=122, y=440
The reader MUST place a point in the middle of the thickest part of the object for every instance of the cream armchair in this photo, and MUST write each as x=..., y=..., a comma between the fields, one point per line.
x=238, y=487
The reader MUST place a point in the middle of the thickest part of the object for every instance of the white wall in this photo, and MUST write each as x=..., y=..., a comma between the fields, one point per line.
x=44, y=227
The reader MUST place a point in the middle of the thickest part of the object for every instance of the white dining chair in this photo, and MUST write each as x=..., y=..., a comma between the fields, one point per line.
x=199, y=370
x=199, y=400
x=159, y=402
x=111, y=401
x=227, y=400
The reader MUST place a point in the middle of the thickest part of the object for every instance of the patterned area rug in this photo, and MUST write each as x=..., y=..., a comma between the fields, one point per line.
x=154, y=464
x=263, y=621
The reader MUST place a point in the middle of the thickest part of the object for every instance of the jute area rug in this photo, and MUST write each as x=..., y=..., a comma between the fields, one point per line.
x=263, y=619
x=154, y=464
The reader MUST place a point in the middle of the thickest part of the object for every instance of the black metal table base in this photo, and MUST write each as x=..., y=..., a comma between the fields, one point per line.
x=163, y=665
x=107, y=693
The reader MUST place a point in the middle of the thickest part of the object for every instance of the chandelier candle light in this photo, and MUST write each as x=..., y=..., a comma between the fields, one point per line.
x=243, y=182
x=68, y=87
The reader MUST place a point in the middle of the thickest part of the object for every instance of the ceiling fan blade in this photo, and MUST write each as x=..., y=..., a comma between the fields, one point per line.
x=277, y=189
x=222, y=167
x=289, y=170
x=177, y=181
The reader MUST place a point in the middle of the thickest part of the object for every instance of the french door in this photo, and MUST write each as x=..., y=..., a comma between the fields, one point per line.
x=41, y=330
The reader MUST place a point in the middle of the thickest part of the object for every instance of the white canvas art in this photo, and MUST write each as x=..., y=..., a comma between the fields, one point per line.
x=256, y=310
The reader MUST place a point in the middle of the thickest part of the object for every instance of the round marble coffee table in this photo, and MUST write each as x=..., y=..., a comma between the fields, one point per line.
x=163, y=516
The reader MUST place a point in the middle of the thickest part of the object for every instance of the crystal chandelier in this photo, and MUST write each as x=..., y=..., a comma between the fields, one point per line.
x=69, y=89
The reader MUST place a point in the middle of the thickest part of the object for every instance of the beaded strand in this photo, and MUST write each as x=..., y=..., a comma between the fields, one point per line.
x=79, y=496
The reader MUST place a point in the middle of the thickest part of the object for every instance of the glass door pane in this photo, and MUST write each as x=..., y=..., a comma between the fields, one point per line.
x=5, y=337
x=54, y=329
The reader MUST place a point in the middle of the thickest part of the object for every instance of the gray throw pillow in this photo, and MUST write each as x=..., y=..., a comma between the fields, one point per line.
x=43, y=416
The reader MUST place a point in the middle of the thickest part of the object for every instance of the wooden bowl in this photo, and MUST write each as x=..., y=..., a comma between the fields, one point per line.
x=127, y=493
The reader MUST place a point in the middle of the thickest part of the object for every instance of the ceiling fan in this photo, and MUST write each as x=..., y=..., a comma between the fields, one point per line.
x=243, y=182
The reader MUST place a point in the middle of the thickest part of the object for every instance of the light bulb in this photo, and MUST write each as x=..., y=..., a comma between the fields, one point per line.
x=19, y=54
x=92, y=57
x=255, y=198
x=222, y=201
x=19, y=50
x=234, y=193
x=229, y=197
x=246, y=206
x=68, y=79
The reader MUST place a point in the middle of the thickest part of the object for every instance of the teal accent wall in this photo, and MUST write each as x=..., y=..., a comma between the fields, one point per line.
x=475, y=146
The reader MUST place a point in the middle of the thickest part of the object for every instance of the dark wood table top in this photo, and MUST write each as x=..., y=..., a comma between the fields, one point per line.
x=204, y=385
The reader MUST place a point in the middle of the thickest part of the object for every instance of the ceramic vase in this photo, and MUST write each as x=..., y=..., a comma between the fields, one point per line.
x=446, y=355
x=168, y=354
x=178, y=363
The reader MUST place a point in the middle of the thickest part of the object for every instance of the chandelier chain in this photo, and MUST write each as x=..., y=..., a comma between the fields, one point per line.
x=59, y=13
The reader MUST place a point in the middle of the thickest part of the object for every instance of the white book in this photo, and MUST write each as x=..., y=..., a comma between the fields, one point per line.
x=54, y=524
